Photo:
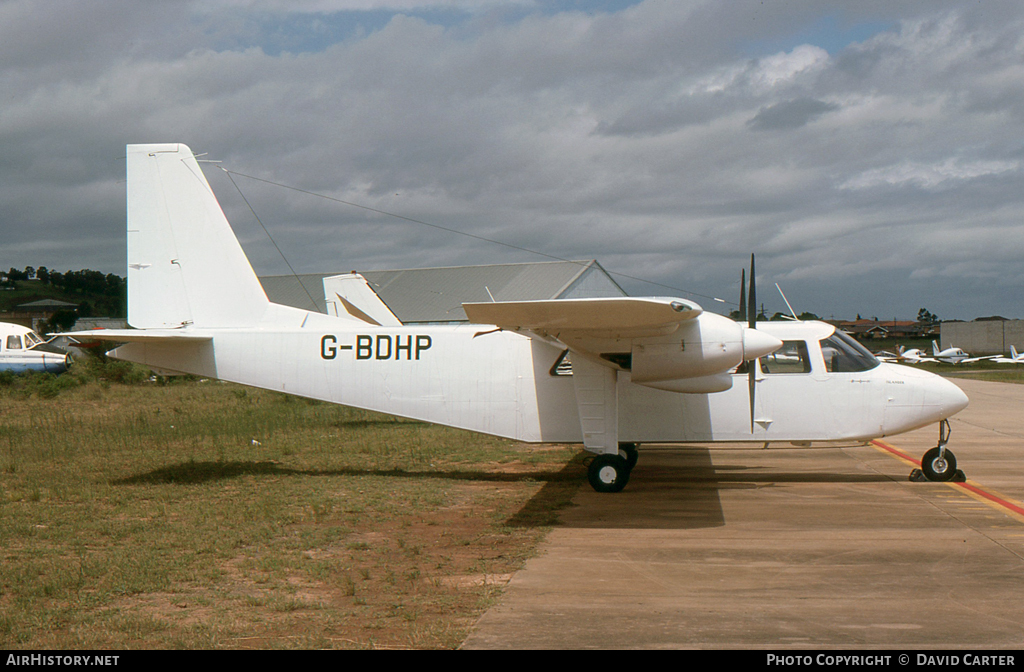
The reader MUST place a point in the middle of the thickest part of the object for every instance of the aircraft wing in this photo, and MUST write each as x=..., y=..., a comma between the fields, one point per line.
x=618, y=317
x=971, y=360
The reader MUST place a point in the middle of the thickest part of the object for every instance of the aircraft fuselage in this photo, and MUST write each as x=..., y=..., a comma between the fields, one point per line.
x=503, y=383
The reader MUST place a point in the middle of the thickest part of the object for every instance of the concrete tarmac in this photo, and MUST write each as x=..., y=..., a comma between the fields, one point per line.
x=824, y=548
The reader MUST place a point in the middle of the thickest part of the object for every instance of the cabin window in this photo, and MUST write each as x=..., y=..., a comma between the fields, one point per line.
x=790, y=358
x=842, y=354
x=14, y=342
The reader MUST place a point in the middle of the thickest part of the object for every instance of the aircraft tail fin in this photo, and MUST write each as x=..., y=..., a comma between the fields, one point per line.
x=1013, y=352
x=935, y=348
x=185, y=266
x=350, y=295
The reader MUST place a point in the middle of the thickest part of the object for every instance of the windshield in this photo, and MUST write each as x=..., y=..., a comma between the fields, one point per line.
x=31, y=340
x=844, y=355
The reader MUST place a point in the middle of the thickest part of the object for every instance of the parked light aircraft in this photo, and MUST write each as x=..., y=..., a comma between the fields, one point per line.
x=656, y=369
x=1014, y=358
x=21, y=349
x=950, y=355
x=905, y=356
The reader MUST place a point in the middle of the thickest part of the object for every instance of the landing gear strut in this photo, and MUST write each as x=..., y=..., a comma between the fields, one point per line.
x=610, y=473
x=939, y=464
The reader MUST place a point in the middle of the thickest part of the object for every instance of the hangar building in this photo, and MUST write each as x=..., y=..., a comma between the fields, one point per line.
x=436, y=295
x=989, y=336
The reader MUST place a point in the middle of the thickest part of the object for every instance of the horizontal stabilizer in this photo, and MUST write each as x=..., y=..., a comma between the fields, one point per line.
x=136, y=336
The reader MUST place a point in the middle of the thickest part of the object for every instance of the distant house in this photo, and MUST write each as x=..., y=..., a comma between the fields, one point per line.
x=436, y=295
x=35, y=313
x=874, y=329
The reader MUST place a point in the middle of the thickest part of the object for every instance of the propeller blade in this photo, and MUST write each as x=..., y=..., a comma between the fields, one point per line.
x=752, y=299
x=751, y=382
x=752, y=324
x=743, y=295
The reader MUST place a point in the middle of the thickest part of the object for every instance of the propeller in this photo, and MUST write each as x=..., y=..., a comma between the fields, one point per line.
x=751, y=324
x=743, y=295
x=755, y=343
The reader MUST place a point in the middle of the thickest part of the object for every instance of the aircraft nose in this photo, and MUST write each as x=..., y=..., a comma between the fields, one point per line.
x=758, y=344
x=918, y=398
x=55, y=363
x=949, y=398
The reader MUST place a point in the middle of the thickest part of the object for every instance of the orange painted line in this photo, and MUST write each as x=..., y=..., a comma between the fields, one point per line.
x=896, y=451
x=1013, y=508
x=976, y=491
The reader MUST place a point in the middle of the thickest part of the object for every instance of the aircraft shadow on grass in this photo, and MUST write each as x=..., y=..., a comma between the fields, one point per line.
x=683, y=495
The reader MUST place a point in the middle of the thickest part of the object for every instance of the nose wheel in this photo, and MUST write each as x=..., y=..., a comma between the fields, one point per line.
x=939, y=463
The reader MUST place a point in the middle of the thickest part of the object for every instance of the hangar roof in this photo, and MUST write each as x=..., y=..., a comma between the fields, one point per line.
x=437, y=294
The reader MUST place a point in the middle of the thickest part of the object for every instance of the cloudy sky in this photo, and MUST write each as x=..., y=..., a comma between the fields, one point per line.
x=869, y=152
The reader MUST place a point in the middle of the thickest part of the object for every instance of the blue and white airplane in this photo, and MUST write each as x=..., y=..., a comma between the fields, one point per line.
x=21, y=349
x=643, y=370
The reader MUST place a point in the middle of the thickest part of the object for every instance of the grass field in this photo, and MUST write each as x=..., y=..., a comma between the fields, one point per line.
x=207, y=515
x=198, y=514
x=998, y=373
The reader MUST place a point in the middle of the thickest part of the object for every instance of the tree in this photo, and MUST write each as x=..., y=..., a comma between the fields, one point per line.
x=62, y=320
x=926, y=317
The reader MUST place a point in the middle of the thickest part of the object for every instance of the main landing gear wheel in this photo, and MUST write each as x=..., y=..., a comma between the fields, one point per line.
x=939, y=465
x=629, y=452
x=608, y=473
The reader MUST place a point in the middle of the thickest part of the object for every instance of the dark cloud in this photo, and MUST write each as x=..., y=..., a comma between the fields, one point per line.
x=789, y=114
x=624, y=134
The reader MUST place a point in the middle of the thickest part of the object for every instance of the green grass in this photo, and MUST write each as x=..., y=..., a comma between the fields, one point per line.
x=207, y=515
x=1001, y=373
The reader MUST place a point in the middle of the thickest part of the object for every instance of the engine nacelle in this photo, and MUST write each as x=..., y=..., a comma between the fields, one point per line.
x=699, y=385
x=707, y=345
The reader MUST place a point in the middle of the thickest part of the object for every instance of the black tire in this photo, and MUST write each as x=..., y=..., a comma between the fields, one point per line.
x=629, y=452
x=936, y=468
x=608, y=473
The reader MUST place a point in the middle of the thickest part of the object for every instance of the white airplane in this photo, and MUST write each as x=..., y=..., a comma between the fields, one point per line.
x=21, y=349
x=905, y=356
x=950, y=355
x=1014, y=358
x=642, y=369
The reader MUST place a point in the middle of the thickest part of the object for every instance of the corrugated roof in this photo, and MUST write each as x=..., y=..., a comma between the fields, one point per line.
x=437, y=294
x=286, y=290
x=46, y=304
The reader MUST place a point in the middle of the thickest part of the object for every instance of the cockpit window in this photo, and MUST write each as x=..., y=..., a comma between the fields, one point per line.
x=790, y=358
x=844, y=355
x=32, y=340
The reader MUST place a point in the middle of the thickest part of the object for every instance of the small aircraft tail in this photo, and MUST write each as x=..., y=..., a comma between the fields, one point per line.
x=1013, y=353
x=935, y=348
x=185, y=266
